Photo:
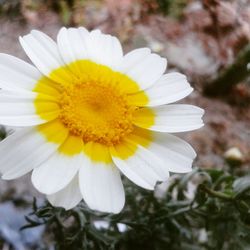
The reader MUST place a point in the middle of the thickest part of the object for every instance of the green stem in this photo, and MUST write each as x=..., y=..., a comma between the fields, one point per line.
x=216, y=193
x=235, y=73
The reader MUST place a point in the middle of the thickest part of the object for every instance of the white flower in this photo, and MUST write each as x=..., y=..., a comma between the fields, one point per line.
x=90, y=113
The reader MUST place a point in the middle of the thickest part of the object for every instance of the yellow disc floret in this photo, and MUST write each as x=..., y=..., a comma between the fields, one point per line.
x=96, y=112
x=94, y=101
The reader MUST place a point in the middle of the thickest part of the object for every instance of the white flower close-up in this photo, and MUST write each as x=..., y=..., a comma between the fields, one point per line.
x=88, y=114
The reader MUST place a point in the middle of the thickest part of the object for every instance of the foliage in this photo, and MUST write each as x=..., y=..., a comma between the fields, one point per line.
x=2, y=132
x=216, y=217
x=171, y=8
x=235, y=73
x=10, y=8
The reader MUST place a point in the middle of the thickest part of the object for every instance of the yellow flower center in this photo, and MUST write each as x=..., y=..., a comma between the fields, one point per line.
x=95, y=102
x=96, y=112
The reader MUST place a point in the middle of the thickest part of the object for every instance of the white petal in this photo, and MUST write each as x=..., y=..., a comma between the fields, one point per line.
x=77, y=43
x=57, y=171
x=143, y=67
x=101, y=186
x=72, y=44
x=104, y=49
x=133, y=58
x=176, y=154
x=25, y=150
x=169, y=88
x=17, y=74
x=143, y=167
x=17, y=108
x=171, y=118
x=68, y=197
x=42, y=51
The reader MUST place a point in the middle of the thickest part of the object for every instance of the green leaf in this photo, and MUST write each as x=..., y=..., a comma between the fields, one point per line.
x=241, y=185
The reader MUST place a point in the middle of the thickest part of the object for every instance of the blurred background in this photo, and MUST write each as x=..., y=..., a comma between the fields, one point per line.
x=208, y=40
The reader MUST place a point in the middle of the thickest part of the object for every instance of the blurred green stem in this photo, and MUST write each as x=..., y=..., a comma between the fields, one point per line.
x=235, y=73
x=216, y=193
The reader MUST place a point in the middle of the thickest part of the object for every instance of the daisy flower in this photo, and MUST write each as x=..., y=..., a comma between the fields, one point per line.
x=89, y=113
